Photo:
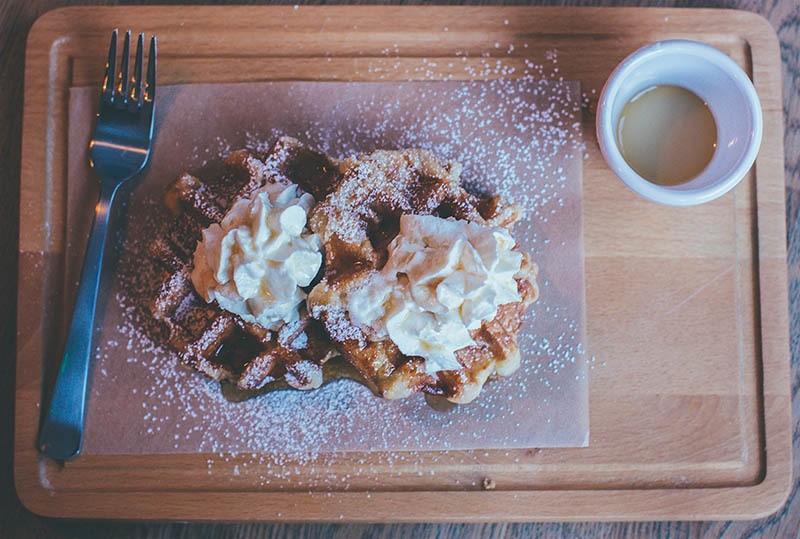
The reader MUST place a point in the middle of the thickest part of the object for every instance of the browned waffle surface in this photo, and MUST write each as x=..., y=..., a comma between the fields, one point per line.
x=208, y=339
x=360, y=202
x=357, y=220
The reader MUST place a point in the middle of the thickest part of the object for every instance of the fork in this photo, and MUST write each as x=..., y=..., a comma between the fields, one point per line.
x=119, y=150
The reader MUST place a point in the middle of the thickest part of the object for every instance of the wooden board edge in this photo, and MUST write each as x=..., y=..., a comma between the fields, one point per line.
x=773, y=271
x=735, y=503
x=65, y=16
x=43, y=50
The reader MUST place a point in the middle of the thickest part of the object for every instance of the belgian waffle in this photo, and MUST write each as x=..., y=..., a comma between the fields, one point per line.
x=356, y=222
x=207, y=338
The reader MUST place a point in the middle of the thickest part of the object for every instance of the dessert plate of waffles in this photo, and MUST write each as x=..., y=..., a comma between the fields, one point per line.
x=366, y=266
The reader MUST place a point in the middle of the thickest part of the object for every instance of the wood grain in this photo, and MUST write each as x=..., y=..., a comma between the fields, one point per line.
x=789, y=56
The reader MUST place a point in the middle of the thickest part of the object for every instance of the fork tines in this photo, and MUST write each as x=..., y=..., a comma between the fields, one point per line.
x=122, y=88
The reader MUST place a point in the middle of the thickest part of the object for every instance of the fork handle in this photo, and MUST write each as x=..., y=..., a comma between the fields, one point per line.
x=62, y=430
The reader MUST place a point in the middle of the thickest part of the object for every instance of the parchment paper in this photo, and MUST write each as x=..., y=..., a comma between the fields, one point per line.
x=520, y=138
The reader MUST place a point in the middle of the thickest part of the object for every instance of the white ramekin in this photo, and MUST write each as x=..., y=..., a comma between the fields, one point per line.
x=718, y=81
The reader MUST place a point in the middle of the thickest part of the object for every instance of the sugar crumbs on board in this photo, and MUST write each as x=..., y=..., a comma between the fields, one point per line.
x=252, y=438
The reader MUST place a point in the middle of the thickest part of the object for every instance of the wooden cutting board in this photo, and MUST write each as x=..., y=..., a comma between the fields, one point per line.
x=687, y=308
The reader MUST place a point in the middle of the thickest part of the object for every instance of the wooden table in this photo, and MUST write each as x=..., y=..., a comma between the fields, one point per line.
x=15, y=19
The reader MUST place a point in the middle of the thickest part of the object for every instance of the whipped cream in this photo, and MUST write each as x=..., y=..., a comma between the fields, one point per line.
x=256, y=260
x=442, y=279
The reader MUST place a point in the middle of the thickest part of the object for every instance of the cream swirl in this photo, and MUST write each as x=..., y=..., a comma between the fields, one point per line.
x=443, y=278
x=256, y=260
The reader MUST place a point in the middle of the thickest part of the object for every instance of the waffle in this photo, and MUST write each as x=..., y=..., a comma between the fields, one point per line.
x=207, y=338
x=357, y=221
x=362, y=201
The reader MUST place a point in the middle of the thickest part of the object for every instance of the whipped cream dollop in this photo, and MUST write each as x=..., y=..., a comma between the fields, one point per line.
x=256, y=260
x=442, y=279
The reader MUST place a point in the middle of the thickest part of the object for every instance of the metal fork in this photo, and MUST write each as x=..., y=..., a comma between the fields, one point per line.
x=119, y=150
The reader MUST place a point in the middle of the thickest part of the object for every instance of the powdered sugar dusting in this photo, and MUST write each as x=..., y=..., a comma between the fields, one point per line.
x=516, y=134
x=340, y=328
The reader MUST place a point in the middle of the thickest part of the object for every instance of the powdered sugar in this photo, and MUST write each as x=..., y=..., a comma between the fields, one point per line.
x=339, y=327
x=519, y=138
